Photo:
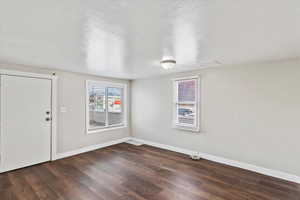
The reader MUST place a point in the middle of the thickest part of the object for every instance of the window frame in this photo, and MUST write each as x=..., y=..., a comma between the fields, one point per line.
x=107, y=127
x=196, y=126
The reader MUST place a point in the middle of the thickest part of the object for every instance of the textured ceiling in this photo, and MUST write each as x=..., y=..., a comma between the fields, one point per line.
x=127, y=39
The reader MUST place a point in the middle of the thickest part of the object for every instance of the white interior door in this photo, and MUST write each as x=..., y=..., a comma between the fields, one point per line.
x=26, y=121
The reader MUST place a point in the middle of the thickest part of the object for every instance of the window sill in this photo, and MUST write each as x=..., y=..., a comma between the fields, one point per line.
x=186, y=128
x=100, y=130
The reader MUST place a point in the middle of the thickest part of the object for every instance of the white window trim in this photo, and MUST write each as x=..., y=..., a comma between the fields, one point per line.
x=125, y=106
x=192, y=128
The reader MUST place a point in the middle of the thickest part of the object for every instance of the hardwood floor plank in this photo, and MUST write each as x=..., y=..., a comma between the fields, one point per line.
x=56, y=183
x=81, y=190
x=128, y=172
x=189, y=183
x=8, y=194
x=4, y=182
x=92, y=180
x=42, y=190
x=21, y=188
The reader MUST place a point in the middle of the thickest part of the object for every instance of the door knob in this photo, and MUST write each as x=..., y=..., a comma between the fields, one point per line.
x=48, y=119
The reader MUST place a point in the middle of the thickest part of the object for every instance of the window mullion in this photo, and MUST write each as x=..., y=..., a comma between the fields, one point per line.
x=177, y=117
x=122, y=105
x=106, y=107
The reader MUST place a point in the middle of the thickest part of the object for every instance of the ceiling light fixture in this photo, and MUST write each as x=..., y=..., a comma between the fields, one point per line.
x=168, y=64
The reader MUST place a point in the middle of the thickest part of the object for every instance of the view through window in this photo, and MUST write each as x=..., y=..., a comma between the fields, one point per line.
x=186, y=103
x=105, y=106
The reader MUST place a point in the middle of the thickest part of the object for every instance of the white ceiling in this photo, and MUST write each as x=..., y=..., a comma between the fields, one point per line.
x=128, y=38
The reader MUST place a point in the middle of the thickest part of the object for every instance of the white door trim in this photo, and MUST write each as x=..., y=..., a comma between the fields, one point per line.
x=54, y=84
x=1, y=123
x=26, y=74
x=54, y=117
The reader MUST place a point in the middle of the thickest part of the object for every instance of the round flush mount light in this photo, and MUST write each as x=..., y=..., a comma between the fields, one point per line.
x=168, y=63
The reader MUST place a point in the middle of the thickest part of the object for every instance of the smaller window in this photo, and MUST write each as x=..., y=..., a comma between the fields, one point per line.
x=105, y=106
x=186, y=103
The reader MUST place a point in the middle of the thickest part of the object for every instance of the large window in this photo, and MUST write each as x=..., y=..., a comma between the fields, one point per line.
x=186, y=105
x=105, y=106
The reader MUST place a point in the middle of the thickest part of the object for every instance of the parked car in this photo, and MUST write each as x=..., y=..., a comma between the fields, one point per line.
x=184, y=111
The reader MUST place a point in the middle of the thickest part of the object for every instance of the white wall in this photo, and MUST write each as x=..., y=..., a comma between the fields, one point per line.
x=71, y=124
x=248, y=113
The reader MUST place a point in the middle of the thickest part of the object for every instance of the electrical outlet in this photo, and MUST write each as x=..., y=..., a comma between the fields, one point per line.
x=195, y=157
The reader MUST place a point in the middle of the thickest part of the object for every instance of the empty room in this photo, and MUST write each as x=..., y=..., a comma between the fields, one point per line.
x=149, y=100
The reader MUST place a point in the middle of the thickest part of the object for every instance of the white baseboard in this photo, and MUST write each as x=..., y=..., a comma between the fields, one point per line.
x=250, y=167
x=90, y=148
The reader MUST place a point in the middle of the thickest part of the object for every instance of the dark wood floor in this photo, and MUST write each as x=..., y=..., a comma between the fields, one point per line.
x=127, y=172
